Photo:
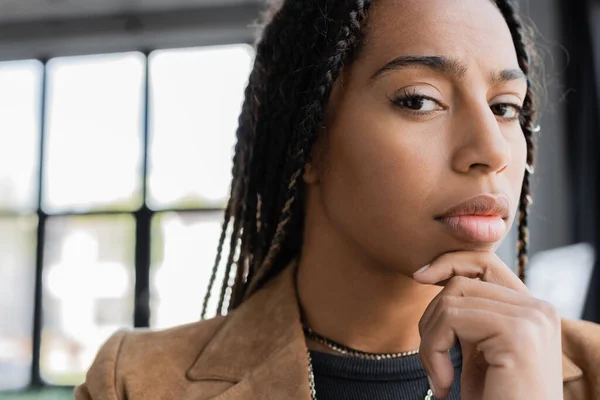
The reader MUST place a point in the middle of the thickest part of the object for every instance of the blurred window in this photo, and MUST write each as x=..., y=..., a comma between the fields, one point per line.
x=94, y=133
x=121, y=206
x=192, y=124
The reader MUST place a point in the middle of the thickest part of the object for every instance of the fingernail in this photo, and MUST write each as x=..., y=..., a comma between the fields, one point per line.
x=422, y=270
x=431, y=386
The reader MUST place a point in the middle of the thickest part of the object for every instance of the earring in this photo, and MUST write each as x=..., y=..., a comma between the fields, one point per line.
x=529, y=168
x=529, y=199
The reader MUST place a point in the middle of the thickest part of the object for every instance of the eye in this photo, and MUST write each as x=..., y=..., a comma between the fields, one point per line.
x=417, y=103
x=506, y=111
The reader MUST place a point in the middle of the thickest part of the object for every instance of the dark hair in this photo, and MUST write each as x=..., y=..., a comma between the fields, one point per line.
x=301, y=53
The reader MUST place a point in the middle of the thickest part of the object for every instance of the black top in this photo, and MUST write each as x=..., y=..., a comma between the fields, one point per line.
x=350, y=378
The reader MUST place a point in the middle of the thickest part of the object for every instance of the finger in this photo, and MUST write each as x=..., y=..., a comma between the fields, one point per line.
x=475, y=326
x=439, y=360
x=477, y=303
x=465, y=287
x=486, y=266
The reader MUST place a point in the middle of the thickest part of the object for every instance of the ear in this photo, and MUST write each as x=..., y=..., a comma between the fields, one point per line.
x=313, y=167
x=311, y=175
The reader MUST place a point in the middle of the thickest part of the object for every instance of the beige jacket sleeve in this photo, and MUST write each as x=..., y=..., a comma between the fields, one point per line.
x=101, y=379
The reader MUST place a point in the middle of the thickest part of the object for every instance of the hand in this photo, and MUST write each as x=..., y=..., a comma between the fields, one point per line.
x=511, y=341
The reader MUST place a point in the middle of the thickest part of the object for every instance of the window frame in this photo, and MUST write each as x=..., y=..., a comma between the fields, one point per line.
x=145, y=33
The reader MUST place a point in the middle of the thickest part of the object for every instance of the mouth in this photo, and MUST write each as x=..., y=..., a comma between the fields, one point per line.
x=481, y=219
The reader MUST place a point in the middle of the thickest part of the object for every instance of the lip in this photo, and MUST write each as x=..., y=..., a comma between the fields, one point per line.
x=480, y=219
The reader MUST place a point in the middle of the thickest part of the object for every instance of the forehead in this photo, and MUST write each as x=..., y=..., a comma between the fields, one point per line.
x=470, y=30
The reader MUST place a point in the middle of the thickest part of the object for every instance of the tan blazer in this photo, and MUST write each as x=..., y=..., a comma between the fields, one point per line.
x=259, y=352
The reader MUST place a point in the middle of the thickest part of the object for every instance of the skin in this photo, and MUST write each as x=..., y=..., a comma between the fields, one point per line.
x=382, y=172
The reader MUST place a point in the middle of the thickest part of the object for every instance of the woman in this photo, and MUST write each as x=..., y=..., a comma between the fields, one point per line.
x=376, y=138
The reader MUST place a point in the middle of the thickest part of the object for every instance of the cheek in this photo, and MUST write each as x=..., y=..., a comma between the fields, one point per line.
x=518, y=162
x=379, y=178
x=516, y=170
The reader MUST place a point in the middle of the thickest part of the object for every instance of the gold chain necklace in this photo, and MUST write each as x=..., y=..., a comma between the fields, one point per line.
x=348, y=351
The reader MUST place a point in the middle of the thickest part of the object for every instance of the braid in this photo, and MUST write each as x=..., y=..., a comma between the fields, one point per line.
x=235, y=203
x=275, y=247
x=228, y=266
x=312, y=116
x=527, y=123
x=215, y=268
x=227, y=219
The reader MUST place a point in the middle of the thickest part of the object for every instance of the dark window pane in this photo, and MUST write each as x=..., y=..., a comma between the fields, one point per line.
x=94, y=132
x=183, y=252
x=20, y=99
x=17, y=285
x=195, y=104
x=88, y=291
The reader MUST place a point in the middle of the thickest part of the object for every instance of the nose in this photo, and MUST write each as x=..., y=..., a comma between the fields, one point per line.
x=480, y=143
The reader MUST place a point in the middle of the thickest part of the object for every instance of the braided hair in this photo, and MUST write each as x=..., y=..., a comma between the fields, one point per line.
x=522, y=46
x=300, y=55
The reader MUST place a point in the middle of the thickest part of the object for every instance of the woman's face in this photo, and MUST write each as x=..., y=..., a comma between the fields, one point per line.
x=424, y=119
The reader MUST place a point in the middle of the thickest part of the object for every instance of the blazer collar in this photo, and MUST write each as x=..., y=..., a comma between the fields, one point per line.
x=262, y=341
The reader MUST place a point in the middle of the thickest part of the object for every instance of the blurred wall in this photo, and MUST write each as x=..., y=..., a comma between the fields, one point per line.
x=550, y=222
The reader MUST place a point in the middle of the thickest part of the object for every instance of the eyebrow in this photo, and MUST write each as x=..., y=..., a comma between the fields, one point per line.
x=507, y=75
x=447, y=66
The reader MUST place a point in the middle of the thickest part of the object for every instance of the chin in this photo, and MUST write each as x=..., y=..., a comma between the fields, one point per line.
x=481, y=247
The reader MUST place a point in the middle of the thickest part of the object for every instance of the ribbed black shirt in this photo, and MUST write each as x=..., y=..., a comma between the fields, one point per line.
x=350, y=378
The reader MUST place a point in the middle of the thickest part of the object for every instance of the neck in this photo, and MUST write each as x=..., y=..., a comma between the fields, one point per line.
x=348, y=297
